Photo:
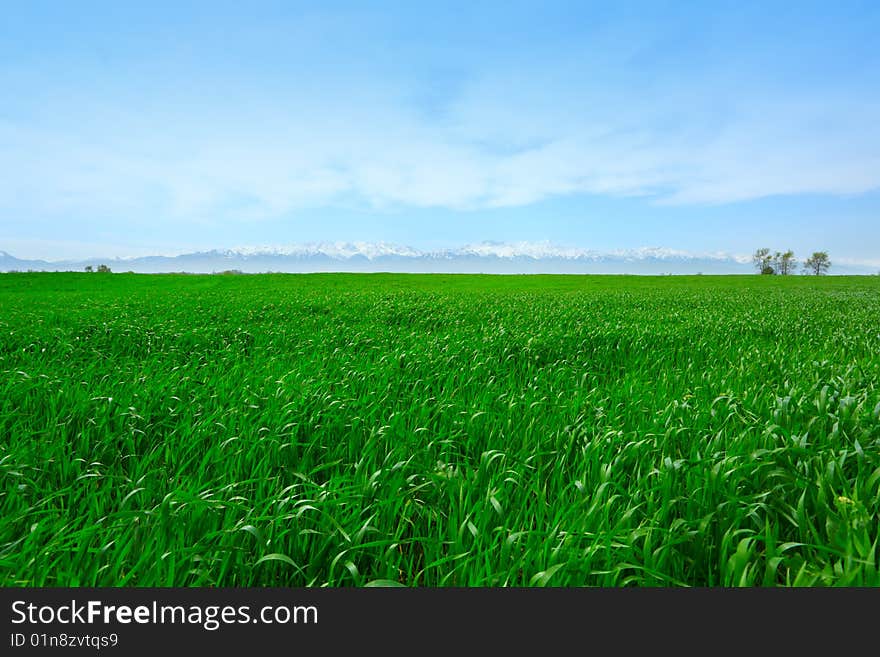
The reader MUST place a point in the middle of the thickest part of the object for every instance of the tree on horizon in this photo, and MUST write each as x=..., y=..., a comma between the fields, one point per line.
x=784, y=264
x=763, y=261
x=818, y=263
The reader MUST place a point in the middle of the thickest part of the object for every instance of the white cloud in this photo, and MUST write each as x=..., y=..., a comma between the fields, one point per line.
x=501, y=143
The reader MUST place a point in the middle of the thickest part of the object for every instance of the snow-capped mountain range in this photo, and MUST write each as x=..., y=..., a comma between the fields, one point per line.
x=485, y=257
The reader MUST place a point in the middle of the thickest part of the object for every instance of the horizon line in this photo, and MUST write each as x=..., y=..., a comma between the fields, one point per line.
x=346, y=250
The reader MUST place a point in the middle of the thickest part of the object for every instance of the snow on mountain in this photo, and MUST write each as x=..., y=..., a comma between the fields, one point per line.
x=483, y=257
x=488, y=249
x=336, y=250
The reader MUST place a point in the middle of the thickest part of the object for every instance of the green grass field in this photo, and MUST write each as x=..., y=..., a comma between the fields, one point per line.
x=340, y=430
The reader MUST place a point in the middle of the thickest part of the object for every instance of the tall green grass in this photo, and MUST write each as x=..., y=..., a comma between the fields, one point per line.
x=336, y=430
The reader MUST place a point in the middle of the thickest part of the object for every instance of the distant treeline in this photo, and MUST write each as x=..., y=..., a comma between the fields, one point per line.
x=784, y=264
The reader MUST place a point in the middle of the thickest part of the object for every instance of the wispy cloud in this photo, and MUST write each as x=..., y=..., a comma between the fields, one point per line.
x=386, y=154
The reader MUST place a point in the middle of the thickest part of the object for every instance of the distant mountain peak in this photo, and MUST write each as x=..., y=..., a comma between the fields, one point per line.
x=479, y=257
x=487, y=248
x=337, y=250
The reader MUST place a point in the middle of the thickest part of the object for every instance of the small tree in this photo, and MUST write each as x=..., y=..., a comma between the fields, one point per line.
x=89, y=269
x=763, y=261
x=818, y=263
x=784, y=263
x=103, y=269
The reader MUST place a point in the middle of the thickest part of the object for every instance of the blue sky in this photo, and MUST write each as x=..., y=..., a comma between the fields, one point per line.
x=134, y=128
